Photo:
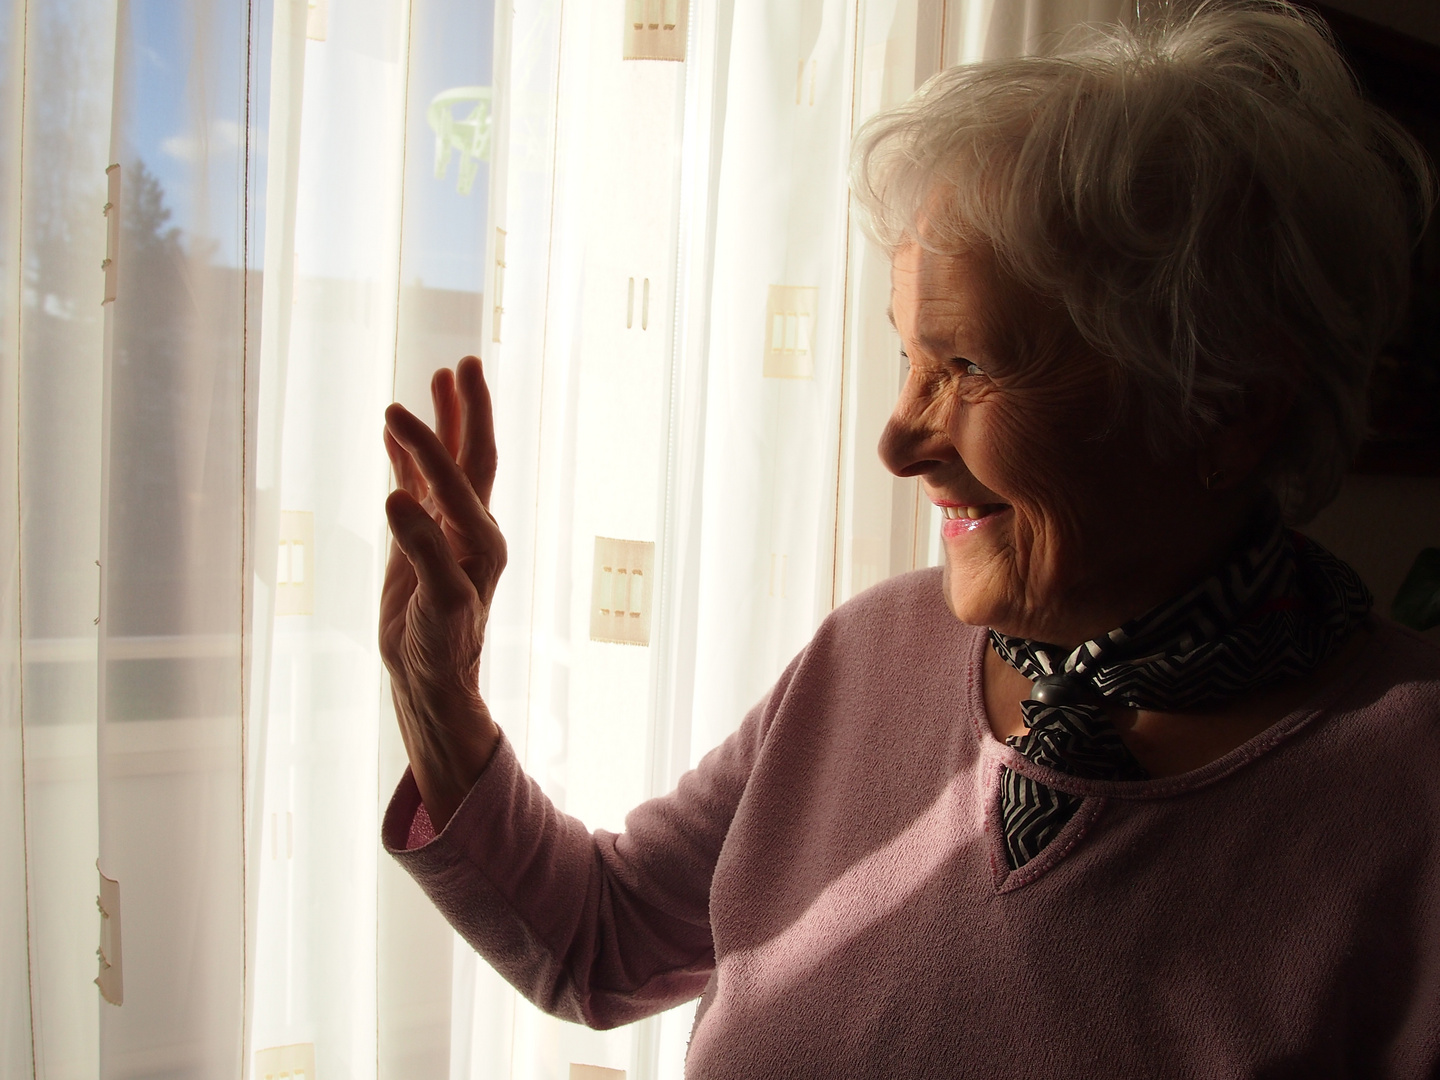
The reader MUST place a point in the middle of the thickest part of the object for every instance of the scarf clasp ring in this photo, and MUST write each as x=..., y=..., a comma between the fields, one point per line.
x=1061, y=690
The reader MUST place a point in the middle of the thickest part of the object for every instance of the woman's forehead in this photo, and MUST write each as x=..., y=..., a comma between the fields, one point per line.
x=962, y=300
x=939, y=291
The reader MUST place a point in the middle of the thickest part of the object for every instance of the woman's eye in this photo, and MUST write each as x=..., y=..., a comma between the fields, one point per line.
x=968, y=367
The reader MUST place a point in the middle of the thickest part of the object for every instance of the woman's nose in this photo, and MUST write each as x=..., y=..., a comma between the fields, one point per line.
x=915, y=440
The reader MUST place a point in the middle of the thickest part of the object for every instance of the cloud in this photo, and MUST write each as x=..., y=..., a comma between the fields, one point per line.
x=224, y=137
x=226, y=132
x=181, y=148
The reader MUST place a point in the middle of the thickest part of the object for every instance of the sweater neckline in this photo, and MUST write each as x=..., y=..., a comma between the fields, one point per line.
x=994, y=751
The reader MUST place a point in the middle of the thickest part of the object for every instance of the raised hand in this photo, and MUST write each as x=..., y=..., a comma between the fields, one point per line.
x=444, y=563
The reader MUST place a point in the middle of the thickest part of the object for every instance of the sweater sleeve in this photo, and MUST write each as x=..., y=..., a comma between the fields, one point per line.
x=602, y=929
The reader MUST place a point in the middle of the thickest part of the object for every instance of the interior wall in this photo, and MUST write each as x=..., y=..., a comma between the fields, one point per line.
x=1378, y=524
x=1418, y=18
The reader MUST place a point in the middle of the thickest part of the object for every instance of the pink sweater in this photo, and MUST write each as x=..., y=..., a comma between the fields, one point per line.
x=832, y=879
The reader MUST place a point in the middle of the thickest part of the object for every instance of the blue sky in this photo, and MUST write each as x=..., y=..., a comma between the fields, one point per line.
x=450, y=46
x=445, y=231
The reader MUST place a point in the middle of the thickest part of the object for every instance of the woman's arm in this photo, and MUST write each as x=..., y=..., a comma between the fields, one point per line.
x=444, y=564
x=599, y=928
x=604, y=928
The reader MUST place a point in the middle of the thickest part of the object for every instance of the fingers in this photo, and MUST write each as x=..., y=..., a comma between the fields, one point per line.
x=407, y=474
x=395, y=594
x=446, y=484
x=437, y=573
x=477, y=455
x=399, y=583
x=447, y=410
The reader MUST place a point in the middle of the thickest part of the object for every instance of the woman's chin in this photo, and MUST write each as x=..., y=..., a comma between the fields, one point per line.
x=969, y=598
x=976, y=569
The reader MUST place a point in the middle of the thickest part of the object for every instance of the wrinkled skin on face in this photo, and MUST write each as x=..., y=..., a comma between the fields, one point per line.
x=1005, y=408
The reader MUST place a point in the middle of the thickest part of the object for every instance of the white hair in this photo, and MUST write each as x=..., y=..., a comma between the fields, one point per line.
x=1208, y=196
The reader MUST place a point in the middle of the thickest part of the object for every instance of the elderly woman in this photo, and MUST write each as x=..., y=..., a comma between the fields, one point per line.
x=1137, y=784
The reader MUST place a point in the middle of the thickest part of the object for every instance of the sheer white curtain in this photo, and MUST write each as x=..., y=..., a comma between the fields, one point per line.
x=193, y=535
x=55, y=91
x=316, y=202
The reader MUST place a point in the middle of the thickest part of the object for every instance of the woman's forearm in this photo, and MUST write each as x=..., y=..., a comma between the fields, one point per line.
x=449, y=743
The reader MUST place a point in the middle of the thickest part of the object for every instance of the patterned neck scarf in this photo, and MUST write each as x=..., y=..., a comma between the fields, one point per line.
x=1276, y=609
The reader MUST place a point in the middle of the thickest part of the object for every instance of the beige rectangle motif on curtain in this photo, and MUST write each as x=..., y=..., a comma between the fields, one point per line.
x=595, y=1072
x=655, y=29
x=790, y=331
x=293, y=1062
x=621, y=591
x=295, y=564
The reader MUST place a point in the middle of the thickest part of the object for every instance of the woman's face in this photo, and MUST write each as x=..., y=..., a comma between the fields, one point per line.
x=1060, y=524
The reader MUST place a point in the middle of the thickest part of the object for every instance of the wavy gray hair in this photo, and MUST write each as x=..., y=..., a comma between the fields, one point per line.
x=1208, y=196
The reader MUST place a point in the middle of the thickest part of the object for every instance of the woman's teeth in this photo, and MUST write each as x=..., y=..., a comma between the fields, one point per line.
x=971, y=512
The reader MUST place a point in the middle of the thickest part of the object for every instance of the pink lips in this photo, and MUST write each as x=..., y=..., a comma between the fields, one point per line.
x=953, y=527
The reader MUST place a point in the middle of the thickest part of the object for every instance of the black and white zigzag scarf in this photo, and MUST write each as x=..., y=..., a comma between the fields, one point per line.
x=1276, y=609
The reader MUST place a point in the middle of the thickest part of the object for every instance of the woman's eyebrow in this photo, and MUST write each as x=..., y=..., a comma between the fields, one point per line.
x=938, y=342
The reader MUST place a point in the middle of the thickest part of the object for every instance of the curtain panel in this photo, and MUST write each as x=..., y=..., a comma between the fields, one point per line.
x=231, y=232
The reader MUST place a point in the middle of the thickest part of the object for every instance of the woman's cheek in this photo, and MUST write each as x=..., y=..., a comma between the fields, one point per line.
x=1004, y=453
x=1036, y=473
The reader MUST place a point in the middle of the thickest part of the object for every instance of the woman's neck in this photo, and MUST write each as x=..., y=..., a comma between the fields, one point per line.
x=1171, y=743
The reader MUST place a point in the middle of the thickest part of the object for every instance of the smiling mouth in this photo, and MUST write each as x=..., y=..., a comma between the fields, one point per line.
x=953, y=513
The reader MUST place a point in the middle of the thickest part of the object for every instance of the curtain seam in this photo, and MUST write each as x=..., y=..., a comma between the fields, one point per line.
x=544, y=358
x=540, y=418
x=404, y=170
x=836, y=554
x=394, y=382
x=246, y=479
x=19, y=541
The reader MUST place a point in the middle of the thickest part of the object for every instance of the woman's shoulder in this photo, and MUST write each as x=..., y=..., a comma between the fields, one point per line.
x=906, y=609
x=899, y=631
x=1399, y=668
x=1390, y=703
x=915, y=590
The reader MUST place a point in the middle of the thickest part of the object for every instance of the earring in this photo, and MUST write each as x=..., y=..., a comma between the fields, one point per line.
x=1214, y=478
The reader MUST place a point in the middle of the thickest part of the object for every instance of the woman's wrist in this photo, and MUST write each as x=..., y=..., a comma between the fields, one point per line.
x=449, y=740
